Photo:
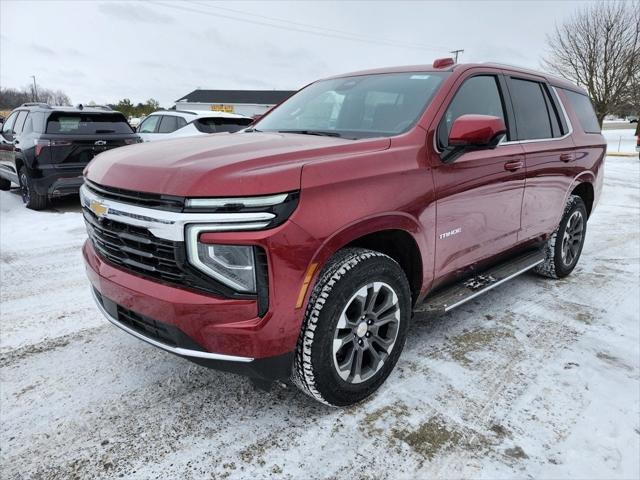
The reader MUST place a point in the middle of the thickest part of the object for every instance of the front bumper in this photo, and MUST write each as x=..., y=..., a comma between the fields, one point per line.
x=269, y=369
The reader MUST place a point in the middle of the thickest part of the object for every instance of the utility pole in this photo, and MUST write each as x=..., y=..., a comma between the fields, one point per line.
x=35, y=89
x=456, y=52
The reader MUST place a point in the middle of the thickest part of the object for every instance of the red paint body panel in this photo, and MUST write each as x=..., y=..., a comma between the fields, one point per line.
x=498, y=199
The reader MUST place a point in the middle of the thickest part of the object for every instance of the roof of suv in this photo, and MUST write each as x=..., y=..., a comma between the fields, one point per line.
x=460, y=67
x=31, y=106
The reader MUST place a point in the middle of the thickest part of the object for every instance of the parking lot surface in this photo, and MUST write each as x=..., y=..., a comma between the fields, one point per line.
x=537, y=378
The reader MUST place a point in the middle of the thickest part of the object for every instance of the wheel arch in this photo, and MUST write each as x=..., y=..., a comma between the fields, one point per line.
x=585, y=191
x=398, y=236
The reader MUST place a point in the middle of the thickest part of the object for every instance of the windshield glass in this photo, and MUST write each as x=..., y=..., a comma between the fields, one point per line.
x=87, y=123
x=363, y=106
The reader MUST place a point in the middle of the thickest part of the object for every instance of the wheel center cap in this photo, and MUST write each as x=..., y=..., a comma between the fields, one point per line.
x=361, y=330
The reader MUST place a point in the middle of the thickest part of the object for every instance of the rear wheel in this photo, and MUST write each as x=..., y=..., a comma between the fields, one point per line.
x=30, y=197
x=563, y=249
x=354, y=329
x=5, y=184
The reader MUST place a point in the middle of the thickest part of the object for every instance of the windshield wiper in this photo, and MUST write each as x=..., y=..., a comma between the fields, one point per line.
x=321, y=133
x=250, y=130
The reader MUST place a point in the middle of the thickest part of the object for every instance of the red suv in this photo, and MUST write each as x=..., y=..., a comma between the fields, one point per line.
x=300, y=247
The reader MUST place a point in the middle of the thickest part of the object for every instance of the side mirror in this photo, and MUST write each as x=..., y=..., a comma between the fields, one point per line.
x=473, y=132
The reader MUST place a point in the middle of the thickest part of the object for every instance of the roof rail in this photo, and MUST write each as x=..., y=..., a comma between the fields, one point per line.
x=36, y=104
x=97, y=107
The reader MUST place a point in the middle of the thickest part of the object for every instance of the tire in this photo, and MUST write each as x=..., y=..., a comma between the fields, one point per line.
x=5, y=184
x=30, y=197
x=337, y=313
x=560, y=258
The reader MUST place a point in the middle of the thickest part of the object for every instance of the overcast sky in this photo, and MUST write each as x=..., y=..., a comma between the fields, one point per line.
x=108, y=50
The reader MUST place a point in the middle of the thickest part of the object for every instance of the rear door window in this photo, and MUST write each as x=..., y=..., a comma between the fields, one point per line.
x=168, y=124
x=478, y=95
x=583, y=108
x=531, y=106
x=149, y=124
x=17, y=127
x=80, y=123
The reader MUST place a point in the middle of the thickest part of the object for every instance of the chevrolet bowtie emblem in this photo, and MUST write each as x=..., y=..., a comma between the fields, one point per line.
x=98, y=208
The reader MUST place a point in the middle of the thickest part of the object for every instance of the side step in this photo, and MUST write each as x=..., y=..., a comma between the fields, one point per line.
x=459, y=293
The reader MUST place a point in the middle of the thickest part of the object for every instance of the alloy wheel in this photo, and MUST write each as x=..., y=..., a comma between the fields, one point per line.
x=24, y=188
x=366, y=332
x=572, y=238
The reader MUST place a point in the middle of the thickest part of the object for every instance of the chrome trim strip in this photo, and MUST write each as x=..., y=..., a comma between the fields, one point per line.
x=170, y=225
x=178, y=351
x=493, y=285
x=264, y=201
x=191, y=242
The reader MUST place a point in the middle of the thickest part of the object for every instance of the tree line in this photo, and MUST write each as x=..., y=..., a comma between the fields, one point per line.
x=138, y=110
x=599, y=49
x=11, y=98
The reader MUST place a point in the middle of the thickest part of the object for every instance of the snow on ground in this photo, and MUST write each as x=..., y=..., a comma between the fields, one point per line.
x=620, y=140
x=537, y=378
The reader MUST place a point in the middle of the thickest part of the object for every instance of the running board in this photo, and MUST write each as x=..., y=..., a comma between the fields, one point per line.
x=468, y=289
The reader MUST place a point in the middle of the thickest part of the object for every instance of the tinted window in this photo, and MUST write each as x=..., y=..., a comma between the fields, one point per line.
x=77, y=123
x=357, y=107
x=213, y=125
x=530, y=106
x=477, y=95
x=17, y=128
x=181, y=122
x=149, y=124
x=584, y=111
x=168, y=124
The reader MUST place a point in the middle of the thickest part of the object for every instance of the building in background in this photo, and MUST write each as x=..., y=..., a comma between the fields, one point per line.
x=243, y=102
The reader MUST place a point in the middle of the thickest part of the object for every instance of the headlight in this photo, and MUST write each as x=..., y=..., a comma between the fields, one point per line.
x=233, y=265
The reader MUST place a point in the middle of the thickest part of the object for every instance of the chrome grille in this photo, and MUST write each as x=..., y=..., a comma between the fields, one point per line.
x=134, y=248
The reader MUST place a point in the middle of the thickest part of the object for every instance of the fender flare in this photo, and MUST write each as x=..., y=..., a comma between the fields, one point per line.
x=366, y=226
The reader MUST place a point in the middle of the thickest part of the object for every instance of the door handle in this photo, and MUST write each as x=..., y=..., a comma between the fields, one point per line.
x=567, y=157
x=514, y=165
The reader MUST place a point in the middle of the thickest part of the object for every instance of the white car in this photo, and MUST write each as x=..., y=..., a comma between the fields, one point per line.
x=166, y=124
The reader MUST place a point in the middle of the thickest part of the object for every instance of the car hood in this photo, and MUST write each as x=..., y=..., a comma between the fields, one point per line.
x=236, y=164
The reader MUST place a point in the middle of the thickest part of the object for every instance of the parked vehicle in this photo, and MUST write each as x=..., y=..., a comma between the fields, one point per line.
x=299, y=248
x=166, y=124
x=43, y=149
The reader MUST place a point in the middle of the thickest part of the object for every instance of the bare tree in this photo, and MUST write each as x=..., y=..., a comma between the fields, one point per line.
x=599, y=49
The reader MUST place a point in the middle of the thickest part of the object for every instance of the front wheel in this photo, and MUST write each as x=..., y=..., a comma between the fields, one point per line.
x=563, y=249
x=354, y=328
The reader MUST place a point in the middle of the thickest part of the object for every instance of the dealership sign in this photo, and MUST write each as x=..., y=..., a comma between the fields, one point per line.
x=222, y=108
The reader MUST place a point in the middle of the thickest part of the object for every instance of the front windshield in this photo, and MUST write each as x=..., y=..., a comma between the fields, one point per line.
x=363, y=106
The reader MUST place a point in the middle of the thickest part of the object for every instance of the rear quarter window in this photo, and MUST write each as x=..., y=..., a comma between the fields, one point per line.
x=77, y=123
x=583, y=109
